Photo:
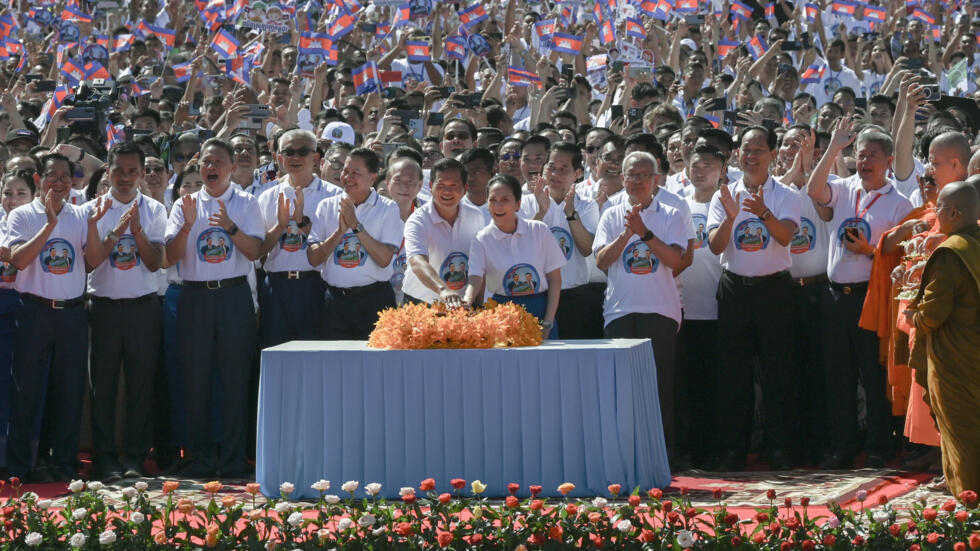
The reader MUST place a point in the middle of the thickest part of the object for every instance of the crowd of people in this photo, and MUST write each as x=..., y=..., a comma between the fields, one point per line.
x=764, y=191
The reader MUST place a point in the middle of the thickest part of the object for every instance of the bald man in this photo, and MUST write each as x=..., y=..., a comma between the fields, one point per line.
x=949, y=155
x=974, y=167
x=946, y=354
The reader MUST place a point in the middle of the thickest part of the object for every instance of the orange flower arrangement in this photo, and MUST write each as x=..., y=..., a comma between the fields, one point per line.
x=421, y=326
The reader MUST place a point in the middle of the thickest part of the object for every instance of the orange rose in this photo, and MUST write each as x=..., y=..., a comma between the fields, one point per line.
x=185, y=505
x=566, y=488
x=427, y=484
x=253, y=488
x=213, y=487
x=160, y=538
x=170, y=485
x=614, y=489
x=229, y=501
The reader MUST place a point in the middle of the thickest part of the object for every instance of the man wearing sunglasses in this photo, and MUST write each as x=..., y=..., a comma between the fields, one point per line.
x=291, y=301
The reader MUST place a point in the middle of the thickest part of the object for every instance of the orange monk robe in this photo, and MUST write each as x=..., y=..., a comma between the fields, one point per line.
x=947, y=351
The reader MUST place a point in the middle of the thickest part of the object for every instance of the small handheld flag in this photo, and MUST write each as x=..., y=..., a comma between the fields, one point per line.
x=456, y=47
x=813, y=74
x=635, y=28
x=418, y=51
x=811, y=11
x=741, y=10
x=607, y=33
x=225, y=43
x=519, y=77
x=842, y=8
x=757, y=46
x=366, y=78
x=566, y=43
x=472, y=15
x=725, y=45
x=874, y=13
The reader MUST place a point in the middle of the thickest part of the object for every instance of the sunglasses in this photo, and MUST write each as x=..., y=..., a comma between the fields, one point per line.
x=510, y=156
x=301, y=152
x=158, y=170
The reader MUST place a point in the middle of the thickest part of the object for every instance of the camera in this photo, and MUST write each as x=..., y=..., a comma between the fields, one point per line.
x=95, y=97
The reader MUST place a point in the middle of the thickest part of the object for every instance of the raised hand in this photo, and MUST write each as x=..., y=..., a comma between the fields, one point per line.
x=844, y=134
x=755, y=203
x=570, y=201
x=541, y=193
x=99, y=211
x=282, y=210
x=221, y=218
x=298, y=206
x=728, y=202
x=188, y=206
x=135, y=226
x=348, y=218
x=634, y=222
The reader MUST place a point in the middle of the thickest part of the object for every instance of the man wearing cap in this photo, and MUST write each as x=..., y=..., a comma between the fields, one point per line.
x=48, y=239
x=123, y=288
x=292, y=299
x=21, y=140
x=341, y=132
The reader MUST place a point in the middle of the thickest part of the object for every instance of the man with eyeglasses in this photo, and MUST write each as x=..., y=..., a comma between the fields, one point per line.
x=333, y=162
x=430, y=152
x=48, y=239
x=291, y=301
x=457, y=136
x=593, y=139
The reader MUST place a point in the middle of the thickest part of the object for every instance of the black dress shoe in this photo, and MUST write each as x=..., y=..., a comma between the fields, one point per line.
x=779, y=462
x=874, y=461
x=133, y=470
x=41, y=475
x=836, y=461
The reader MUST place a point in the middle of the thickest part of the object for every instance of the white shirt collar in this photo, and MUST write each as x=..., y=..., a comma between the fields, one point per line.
x=522, y=228
x=203, y=194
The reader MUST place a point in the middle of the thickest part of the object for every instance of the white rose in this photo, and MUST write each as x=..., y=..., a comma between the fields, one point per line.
x=77, y=540
x=321, y=485
x=29, y=497
x=33, y=539
x=406, y=491
x=107, y=537
x=141, y=485
x=129, y=493
x=282, y=507
x=79, y=514
x=624, y=526
x=76, y=486
x=295, y=519
x=287, y=488
x=373, y=489
x=350, y=486
x=344, y=523
x=881, y=517
x=137, y=517
x=378, y=531
x=95, y=485
x=366, y=520
x=323, y=533
x=331, y=499
x=44, y=504
x=685, y=539
x=599, y=502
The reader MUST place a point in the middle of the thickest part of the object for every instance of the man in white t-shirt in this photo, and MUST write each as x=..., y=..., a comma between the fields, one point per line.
x=835, y=76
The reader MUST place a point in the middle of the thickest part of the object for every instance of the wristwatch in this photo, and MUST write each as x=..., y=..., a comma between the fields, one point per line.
x=574, y=216
x=233, y=230
x=545, y=324
x=766, y=214
x=112, y=236
x=358, y=229
x=647, y=236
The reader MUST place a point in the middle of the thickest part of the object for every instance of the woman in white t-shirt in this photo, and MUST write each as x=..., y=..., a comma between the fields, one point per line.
x=514, y=259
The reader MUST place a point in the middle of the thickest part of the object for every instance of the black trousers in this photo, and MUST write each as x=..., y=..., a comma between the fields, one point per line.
x=662, y=332
x=754, y=320
x=850, y=354
x=809, y=393
x=124, y=335
x=580, y=312
x=292, y=309
x=697, y=375
x=351, y=314
x=216, y=332
x=49, y=344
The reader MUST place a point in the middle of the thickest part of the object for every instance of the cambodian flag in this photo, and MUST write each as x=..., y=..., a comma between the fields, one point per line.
x=94, y=69
x=757, y=46
x=402, y=16
x=842, y=8
x=418, y=51
x=214, y=14
x=14, y=46
x=391, y=79
x=545, y=28
x=741, y=10
x=61, y=94
x=770, y=11
x=725, y=45
x=566, y=43
x=519, y=77
x=341, y=26
x=72, y=71
x=167, y=36
x=635, y=28
x=937, y=33
x=456, y=47
x=813, y=74
x=22, y=64
x=686, y=6
x=74, y=14
x=921, y=15
x=811, y=11
x=314, y=40
x=366, y=78
x=648, y=7
x=235, y=9
x=384, y=28
x=239, y=69
x=473, y=15
x=122, y=42
x=114, y=134
x=7, y=25
x=225, y=43
x=663, y=9
x=607, y=33
x=182, y=71
x=874, y=13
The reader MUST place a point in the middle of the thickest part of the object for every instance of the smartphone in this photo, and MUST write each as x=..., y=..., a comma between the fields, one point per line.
x=405, y=115
x=469, y=101
x=445, y=91
x=717, y=104
x=567, y=74
x=569, y=92
x=80, y=114
x=634, y=114
x=870, y=37
x=435, y=119
x=641, y=73
x=769, y=124
x=616, y=112
x=31, y=78
x=861, y=103
x=617, y=66
x=731, y=119
x=914, y=64
x=258, y=111
x=369, y=27
x=44, y=86
x=792, y=46
x=694, y=20
x=805, y=41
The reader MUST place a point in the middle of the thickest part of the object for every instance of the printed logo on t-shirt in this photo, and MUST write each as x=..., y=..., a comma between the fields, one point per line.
x=8, y=273
x=455, y=270
x=830, y=86
x=638, y=259
x=349, y=253
x=751, y=235
x=805, y=238
x=214, y=246
x=858, y=224
x=521, y=279
x=700, y=230
x=564, y=240
x=293, y=239
x=125, y=255
x=58, y=257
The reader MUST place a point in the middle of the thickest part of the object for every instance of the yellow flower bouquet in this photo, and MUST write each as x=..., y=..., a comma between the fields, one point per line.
x=422, y=326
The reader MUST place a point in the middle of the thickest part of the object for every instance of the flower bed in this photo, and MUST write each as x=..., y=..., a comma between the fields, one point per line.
x=459, y=519
x=421, y=326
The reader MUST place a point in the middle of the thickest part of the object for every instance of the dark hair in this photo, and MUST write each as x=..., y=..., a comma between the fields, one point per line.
x=618, y=142
x=123, y=149
x=478, y=154
x=152, y=113
x=771, y=138
x=497, y=134
x=644, y=90
x=496, y=115
x=404, y=152
x=506, y=180
x=447, y=164
x=470, y=127
x=92, y=189
x=571, y=149
x=565, y=114
x=709, y=151
x=26, y=175
x=883, y=100
x=251, y=141
x=189, y=168
x=807, y=97
x=46, y=160
x=846, y=90
x=717, y=138
x=537, y=139
x=220, y=144
x=369, y=157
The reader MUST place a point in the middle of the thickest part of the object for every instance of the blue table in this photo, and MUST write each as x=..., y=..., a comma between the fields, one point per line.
x=585, y=412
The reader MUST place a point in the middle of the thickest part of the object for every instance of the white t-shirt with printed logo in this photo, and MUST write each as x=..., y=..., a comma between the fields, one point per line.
x=289, y=252
x=59, y=271
x=638, y=283
x=576, y=271
x=515, y=264
x=751, y=251
x=350, y=265
x=446, y=246
x=810, y=242
x=8, y=273
x=484, y=209
x=123, y=274
x=210, y=254
x=870, y=213
x=701, y=277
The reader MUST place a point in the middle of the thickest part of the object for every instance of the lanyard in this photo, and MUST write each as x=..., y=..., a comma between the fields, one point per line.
x=867, y=208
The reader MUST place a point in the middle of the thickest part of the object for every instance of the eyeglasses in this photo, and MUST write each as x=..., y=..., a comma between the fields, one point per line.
x=301, y=152
x=591, y=150
x=510, y=156
x=157, y=169
x=349, y=83
x=613, y=160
